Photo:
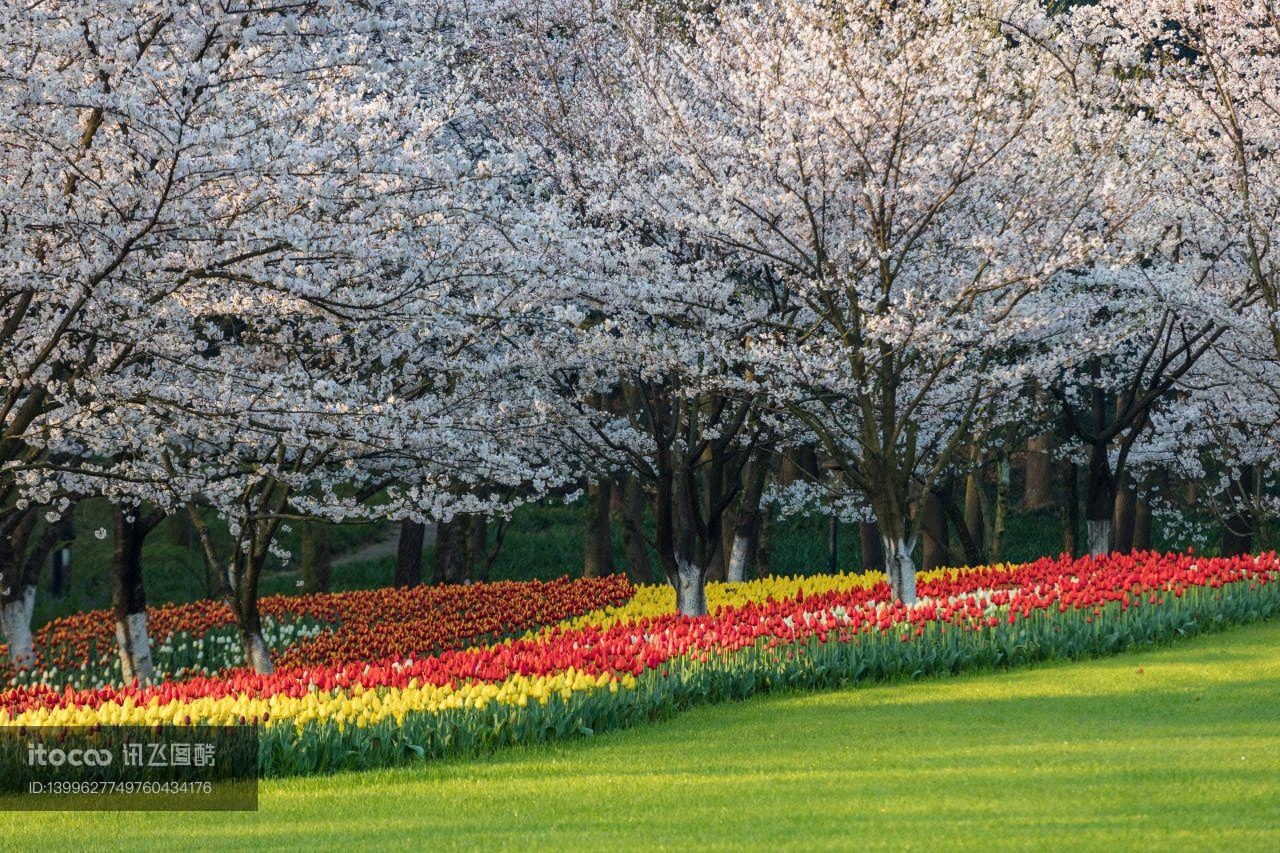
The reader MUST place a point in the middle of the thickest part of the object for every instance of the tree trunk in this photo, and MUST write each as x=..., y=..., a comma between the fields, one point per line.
x=1071, y=508
x=317, y=556
x=902, y=570
x=717, y=560
x=1125, y=518
x=449, y=549
x=1099, y=535
x=933, y=527
x=728, y=535
x=18, y=590
x=60, y=564
x=599, y=550
x=1100, y=501
x=995, y=553
x=872, y=547
x=973, y=519
x=712, y=554
x=408, y=571
x=797, y=464
x=972, y=555
x=691, y=589
x=764, y=543
x=15, y=621
x=478, y=548
x=1142, y=526
x=60, y=573
x=128, y=595
x=135, y=649
x=633, y=501
x=257, y=655
x=1239, y=524
x=739, y=557
x=746, y=528
x=675, y=542
x=241, y=572
x=1039, y=491
x=833, y=544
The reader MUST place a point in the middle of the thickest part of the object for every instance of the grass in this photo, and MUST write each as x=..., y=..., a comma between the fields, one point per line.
x=1174, y=748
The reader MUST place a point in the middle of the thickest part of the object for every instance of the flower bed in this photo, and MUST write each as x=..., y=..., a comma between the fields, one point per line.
x=651, y=600
x=200, y=638
x=575, y=679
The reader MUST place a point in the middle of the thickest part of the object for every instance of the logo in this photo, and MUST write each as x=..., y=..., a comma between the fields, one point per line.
x=39, y=755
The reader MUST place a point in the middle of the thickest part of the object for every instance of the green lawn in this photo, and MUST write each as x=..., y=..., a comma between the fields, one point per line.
x=1170, y=749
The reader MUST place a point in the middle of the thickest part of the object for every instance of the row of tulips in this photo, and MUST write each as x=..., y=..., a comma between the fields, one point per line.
x=177, y=656
x=390, y=624
x=313, y=630
x=652, y=600
x=578, y=679
x=591, y=648
x=400, y=669
x=970, y=620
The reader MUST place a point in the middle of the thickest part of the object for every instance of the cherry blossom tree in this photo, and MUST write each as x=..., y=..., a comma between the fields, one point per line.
x=653, y=381
x=1129, y=342
x=262, y=265
x=1203, y=78
x=411, y=406
x=1217, y=431
x=1208, y=76
x=910, y=171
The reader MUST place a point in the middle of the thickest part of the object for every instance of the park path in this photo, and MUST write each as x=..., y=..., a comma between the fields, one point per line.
x=384, y=546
